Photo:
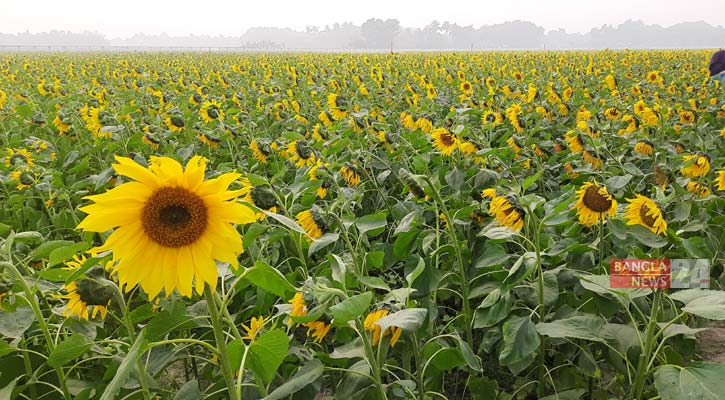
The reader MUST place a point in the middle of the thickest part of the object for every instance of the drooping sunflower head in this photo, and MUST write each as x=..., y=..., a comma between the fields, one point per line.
x=594, y=203
x=444, y=141
x=19, y=158
x=720, y=181
x=208, y=139
x=301, y=154
x=260, y=196
x=412, y=184
x=643, y=211
x=662, y=176
x=506, y=210
x=317, y=330
x=254, y=328
x=175, y=123
x=695, y=165
x=698, y=189
x=612, y=113
x=644, y=147
x=313, y=222
x=575, y=142
x=150, y=140
x=169, y=225
x=260, y=150
x=86, y=296
x=370, y=324
x=351, y=174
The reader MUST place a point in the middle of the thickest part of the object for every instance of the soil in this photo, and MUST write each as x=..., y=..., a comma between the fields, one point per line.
x=711, y=343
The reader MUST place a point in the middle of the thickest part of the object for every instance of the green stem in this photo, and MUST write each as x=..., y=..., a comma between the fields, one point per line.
x=128, y=323
x=216, y=323
x=49, y=343
x=372, y=359
x=240, y=378
x=649, y=342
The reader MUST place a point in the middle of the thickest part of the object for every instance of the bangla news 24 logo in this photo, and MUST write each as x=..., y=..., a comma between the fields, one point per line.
x=681, y=273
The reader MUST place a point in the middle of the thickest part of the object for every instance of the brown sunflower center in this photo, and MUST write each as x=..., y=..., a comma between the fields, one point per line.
x=174, y=217
x=648, y=220
x=595, y=201
x=447, y=139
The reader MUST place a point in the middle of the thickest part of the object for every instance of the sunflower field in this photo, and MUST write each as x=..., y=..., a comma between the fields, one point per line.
x=358, y=226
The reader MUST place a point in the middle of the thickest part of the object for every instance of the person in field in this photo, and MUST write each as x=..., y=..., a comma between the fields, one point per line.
x=717, y=66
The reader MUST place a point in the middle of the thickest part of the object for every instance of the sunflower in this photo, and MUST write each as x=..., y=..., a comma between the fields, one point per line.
x=505, y=210
x=612, y=113
x=301, y=154
x=408, y=121
x=317, y=330
x=653, y=76
x=260, y=151
x=492, y=117
x=413, y=186
x=444, y=141
x=370, y=325
x=325, y=118
x=696, y=165
x=661, y=176
x=687, y=116
x=698, y=189
x=466, y=87
x=319, y=172
x=148, y=139
x=19, y=158
x=299, y=308
x=312, y=222
x=208, y=139
x=175, y=123
x=594, y=203
x=575, y=142
x=720, y=181
x=424, y=124
x=644, y=147
x=169, y=225
x=338, y=106
x=643, y=211
x=211, y=111
x=255, y=326
x=60, y=123
x=351, y=174
x=260, y=196
x=86, y=295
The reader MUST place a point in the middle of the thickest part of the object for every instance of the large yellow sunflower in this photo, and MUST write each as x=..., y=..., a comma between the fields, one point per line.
x=169, y=225
x=312, y=222
x=643, y=211
x=211, y=110
x=505, y=210
x=594, y=203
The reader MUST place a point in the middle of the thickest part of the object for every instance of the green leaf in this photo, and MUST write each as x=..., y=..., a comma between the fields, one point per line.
x=571, y=394
x=285, y=221
x=701, y=381
x=168, y=320
x=472, y=360
x=6, y=393
x=324, y=241
x=69, y=349
x=55, y=274
x=46, y=248
x=408, y=320
x=124, y=370
x=189, y=391
x=63, y=254
x=615, y=183
x=493, y=314
x=585, y=327
x=5, y=348
x=269, y=279
x=493, y=254
x=14, y=324
x=403, y=243
x=351, y=308
x=375, y=259
x=407, y=223
x=267, y=353
x=679, y=329
x=696, y=247
x=520, y=341
x=710, y=307
x=374, y=282
x=646, y=237
x=373, y=224
x=530, y=180
x=688, y=295
x=455, y=178
x=306, y=375
x=415, y=273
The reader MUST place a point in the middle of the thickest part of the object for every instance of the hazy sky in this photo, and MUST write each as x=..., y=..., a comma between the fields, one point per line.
x=123, y=18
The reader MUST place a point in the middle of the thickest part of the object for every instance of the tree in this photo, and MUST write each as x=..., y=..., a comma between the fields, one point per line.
x=379, y=34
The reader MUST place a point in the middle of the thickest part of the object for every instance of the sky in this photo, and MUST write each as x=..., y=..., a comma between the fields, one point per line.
x=124, y=18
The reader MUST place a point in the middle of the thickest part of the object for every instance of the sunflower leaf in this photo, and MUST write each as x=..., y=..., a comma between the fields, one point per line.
x=264, y=276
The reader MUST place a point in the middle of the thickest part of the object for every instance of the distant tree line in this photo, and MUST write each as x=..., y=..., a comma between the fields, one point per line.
x=388, y=34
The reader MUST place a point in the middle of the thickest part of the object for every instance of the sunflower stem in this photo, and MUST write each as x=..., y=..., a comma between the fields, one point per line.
x=128, y=323
x=371, y=358
x=220, y=342
x=30, y=299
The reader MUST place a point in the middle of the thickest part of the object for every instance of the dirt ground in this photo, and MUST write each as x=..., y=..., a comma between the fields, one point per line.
x=711, y=343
